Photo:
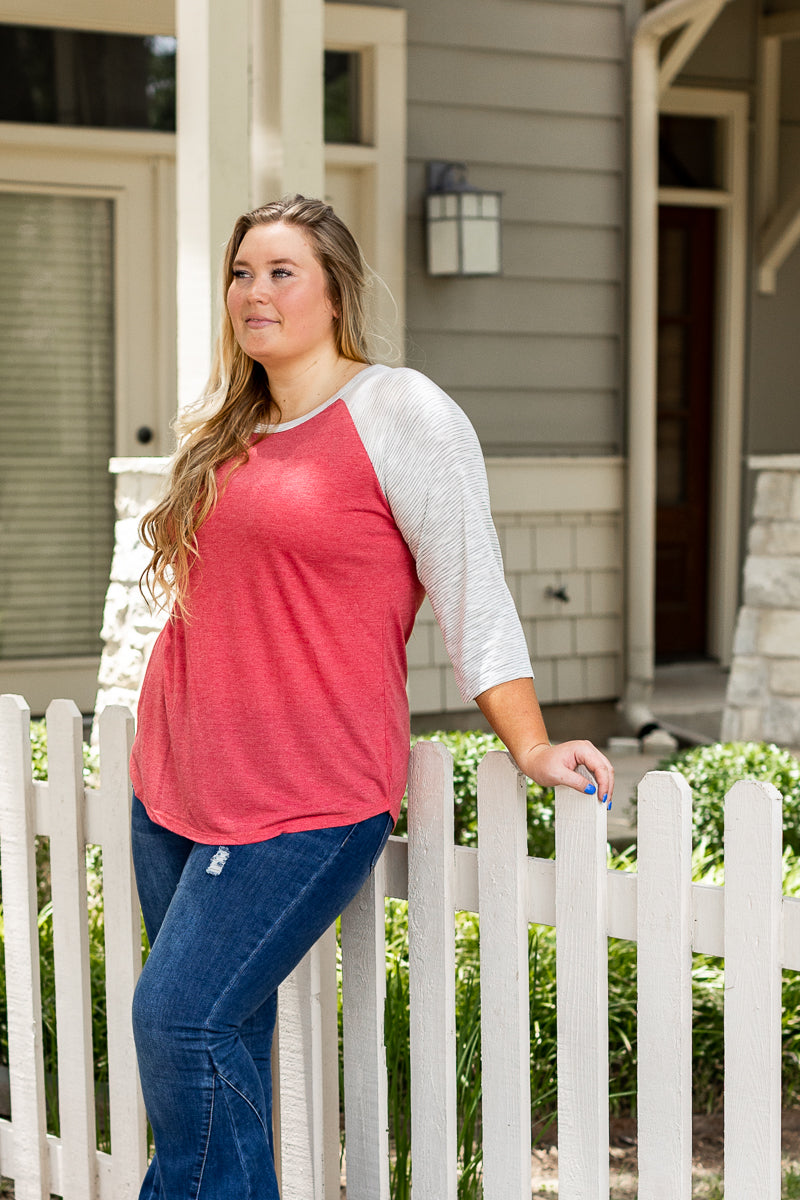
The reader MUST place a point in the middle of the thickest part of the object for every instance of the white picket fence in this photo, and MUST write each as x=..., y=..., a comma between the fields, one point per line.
x=748, y=922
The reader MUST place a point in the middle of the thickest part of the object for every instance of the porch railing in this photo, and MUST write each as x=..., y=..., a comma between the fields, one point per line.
x=749, y=922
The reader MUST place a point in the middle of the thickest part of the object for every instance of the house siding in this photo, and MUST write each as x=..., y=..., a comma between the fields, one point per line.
x=727, y=58
x=774, y=413
x=531, y=97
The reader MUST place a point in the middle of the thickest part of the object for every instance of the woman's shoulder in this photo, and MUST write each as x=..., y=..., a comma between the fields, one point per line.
x=404, y=394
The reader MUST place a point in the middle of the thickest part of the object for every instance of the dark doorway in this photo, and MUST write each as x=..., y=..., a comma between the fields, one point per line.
x=684, y=393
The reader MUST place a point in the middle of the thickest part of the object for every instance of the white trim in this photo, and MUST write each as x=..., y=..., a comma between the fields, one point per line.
x=687, y=40
x=732, y=109
x=774, y=462
x=556, y=485
x=695, y=197
x=139, y=466
x=144, y=17
x=122, y=143
x=379, y=34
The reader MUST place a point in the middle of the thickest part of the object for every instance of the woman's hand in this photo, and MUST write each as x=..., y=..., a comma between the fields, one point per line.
x=513, y=712
x=553, y=766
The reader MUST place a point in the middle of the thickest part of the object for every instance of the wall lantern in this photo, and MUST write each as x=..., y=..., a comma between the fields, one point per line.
x=463, y=223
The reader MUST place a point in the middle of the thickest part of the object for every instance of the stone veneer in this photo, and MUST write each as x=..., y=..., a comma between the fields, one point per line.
x=763, y=698
x=129, y=627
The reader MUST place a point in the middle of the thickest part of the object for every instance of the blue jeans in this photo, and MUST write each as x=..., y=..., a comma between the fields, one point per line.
x=226, y=926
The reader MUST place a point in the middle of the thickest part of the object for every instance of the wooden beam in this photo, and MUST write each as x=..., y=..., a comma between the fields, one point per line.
x=778, y=240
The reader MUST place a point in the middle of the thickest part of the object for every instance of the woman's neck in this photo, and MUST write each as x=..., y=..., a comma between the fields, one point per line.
x=299, y=388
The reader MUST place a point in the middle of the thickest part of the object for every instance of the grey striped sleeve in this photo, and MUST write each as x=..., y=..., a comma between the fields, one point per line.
x=429, y=464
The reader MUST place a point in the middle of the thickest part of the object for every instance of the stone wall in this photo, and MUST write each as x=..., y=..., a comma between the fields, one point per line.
x=129, y=626
x=763, y=699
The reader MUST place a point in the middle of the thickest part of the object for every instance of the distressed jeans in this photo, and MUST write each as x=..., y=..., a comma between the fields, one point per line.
x=226, y=925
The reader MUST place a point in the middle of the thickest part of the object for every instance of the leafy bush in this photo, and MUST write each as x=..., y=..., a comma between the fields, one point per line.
x=711, y=771
x=468, y=748
x=39, y=754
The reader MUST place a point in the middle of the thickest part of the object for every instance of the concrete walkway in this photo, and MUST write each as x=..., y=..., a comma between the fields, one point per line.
x=688, y=700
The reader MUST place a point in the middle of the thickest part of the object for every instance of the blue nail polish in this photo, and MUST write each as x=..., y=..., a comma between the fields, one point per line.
x=590, y=790
x=605, y=797
x=609, y=806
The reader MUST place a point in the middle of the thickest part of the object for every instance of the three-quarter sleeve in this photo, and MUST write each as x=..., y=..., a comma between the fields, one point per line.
x=430, y=466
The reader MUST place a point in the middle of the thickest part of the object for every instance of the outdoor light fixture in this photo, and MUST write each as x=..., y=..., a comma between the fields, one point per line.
x=463, y=223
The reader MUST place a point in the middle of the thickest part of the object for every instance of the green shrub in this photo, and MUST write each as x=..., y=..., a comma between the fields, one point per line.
x=39, y=754
x=711, y=772
x=468, y=748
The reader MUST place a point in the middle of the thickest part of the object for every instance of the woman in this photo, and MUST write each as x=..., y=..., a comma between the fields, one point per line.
x=314, y=499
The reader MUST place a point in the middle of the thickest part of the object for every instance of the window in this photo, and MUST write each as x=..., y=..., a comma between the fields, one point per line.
x=689, y=152
x=71, y=77
x=56, y=422
x=343, y=96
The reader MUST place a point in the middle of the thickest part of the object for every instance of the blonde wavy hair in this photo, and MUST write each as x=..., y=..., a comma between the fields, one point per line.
x=236, y=401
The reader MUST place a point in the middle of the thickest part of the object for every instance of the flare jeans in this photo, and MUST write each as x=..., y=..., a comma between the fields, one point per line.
x=226, y=925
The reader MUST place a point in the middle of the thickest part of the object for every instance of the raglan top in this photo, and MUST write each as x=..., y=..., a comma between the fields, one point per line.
x=279, y=703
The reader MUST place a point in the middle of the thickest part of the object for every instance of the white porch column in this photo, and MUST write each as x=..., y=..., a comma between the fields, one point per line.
x=250, y=128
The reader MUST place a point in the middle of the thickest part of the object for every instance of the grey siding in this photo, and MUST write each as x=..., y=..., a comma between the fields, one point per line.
x=531, y=96
x=727, y=59
x=727, y=55
x=774, y=414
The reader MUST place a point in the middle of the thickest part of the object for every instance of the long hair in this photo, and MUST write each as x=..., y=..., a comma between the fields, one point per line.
x=236, y=401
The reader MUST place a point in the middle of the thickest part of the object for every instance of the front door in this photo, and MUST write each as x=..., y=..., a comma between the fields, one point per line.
x=684, y=396
x=84, y=376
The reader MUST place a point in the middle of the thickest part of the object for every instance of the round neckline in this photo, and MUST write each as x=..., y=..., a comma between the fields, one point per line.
x=285, y=426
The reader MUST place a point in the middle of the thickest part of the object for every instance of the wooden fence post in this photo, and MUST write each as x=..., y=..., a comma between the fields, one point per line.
x=582, y=985
x=664, y=973
x=505, y=1016
x=31, y=1165
x=363, y=1000
x=753, y=899
x=431, y=956
x=308, y=1074
x=123, y=948
x=71, y=951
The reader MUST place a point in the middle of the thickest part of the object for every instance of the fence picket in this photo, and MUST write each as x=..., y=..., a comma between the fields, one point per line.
x=664, y=968
x=366, y=1118
x=71, y=951
x=431, y=952
x=307, y=1055
x=123, y=954
x=30, y=1167
x=749, y=921
x=753, y=886
x=582, y=997
x=505, y=1016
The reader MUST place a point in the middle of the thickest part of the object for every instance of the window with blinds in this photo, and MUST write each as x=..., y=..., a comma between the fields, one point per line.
x=56, y=422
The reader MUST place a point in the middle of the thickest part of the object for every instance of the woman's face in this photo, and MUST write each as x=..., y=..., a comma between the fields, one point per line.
x=278, y=298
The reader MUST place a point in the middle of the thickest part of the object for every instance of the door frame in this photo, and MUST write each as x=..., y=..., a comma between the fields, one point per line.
x=727, y=418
